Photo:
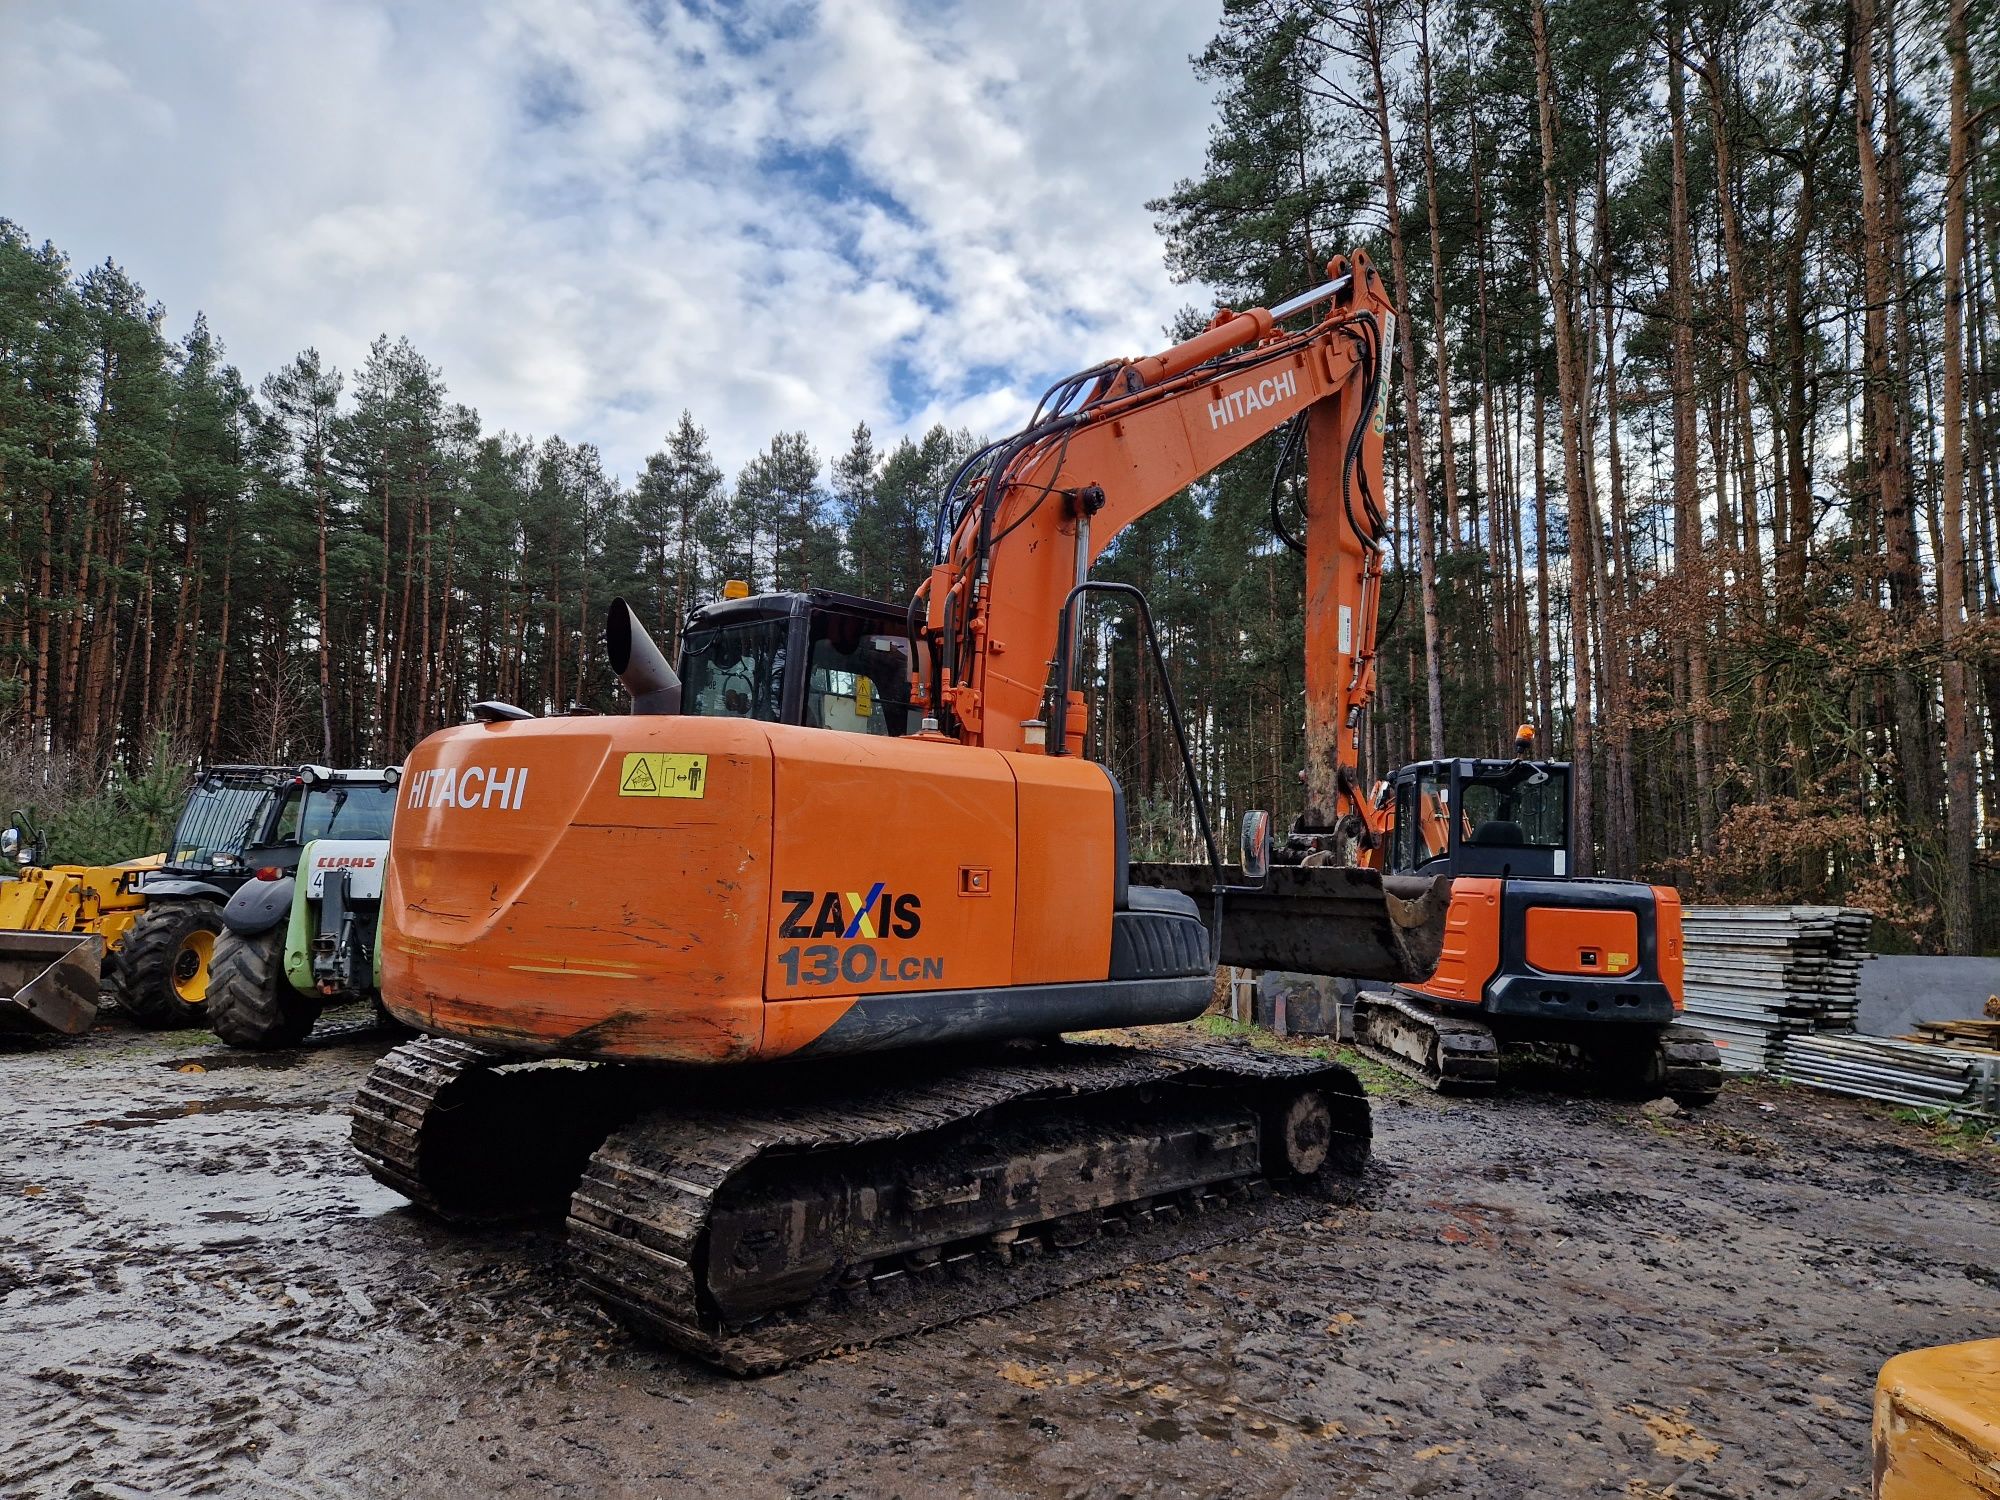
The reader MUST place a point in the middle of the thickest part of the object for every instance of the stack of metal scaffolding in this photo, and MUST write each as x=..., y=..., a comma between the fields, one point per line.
x=1913, y=1073
x=1758, y=976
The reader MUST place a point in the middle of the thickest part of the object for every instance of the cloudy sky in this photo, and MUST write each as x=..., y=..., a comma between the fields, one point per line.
x=593, y=213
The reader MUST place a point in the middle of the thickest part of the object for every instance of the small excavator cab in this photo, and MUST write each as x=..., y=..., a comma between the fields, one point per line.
x=1481, y=817
x=820, y=659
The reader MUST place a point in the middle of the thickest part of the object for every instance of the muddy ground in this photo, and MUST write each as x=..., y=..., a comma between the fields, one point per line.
x=202, y=1293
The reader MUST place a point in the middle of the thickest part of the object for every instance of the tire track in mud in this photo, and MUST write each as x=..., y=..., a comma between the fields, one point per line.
x=175, y=1293
x=1530, y=1297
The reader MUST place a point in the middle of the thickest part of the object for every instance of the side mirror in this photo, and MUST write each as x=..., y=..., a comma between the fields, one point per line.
x=1256, y=854
x=10, y=842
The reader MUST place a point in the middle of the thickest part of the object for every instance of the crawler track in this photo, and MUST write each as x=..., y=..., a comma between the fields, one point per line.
x=440, y=1121
x=1690, y=1067
x=764, y=1218
x=1448, y=1054
x=1458, y=1055
x=918, y=1199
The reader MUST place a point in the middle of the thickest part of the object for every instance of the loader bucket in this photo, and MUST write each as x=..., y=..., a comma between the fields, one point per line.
x=48, y=981
x=1321, y=919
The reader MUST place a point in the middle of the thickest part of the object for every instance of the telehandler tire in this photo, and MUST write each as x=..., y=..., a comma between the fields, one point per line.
x=163, y=964
x=250, y=1002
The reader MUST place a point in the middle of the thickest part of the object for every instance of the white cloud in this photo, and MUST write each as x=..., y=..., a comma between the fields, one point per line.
x=592, y=213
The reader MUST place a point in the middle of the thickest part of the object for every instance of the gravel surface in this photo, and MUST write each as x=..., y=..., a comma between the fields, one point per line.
x=202, y=1293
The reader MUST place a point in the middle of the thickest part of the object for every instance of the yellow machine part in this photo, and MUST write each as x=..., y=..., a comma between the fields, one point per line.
x=98, y=899
x=1937, y=1424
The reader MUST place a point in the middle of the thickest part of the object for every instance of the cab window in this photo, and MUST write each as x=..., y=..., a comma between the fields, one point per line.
x=1523, y=807
x=218, y=819
x=363, y=810
x=735, y=671
x=859, y=680
x=1423, y=820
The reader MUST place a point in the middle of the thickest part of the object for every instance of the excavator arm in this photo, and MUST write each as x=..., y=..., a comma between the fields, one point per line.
x=1107, y=446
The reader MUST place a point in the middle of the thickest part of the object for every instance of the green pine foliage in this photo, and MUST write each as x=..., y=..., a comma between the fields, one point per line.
x=330, y=564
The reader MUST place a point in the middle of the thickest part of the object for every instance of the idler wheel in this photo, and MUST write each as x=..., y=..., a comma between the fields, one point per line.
x=1298, y=1133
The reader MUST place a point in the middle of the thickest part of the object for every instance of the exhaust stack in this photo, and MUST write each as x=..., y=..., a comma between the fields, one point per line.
x=654, y=687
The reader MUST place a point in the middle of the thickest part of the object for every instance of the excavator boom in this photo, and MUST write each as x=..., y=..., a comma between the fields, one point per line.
x=1141, y=432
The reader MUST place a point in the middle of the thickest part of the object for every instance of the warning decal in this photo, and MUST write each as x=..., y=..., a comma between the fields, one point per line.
x=652, y=773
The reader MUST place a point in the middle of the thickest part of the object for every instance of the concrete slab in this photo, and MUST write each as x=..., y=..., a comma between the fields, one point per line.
x=1898, y=992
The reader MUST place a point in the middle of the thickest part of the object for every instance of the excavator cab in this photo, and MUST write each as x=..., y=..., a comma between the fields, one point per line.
x=820, y=659
x=1480, y=817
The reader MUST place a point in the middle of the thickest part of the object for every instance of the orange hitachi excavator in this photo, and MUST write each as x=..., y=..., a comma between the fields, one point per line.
x=764, y=981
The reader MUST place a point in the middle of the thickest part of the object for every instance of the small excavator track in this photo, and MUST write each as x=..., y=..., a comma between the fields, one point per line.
x=1453, y=1054
x=758, y=1236
x=1689, y=1066
x=1447, y=1054
x=760, y=1219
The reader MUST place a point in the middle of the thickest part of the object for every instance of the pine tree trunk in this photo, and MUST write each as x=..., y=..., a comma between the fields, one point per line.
x=1447, y=457
x=1739, y=323
x=325, y=612
x=1569, y=399
x=384, y=734
x=1689, y=561
x=1888, y=442
x=1960, y=931
x=1545, y=682
x=212, y=741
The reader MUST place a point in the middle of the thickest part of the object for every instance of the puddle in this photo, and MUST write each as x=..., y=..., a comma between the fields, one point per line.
x=138, y=1118
x=330, y=1041
x=268, y=1062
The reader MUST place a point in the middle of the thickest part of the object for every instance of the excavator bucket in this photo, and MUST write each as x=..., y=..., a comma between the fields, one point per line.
x=1321, y=919
x=48, y=981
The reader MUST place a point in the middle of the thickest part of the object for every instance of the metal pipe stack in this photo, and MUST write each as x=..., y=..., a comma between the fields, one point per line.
x=1912, y=1073
x=1758, y=976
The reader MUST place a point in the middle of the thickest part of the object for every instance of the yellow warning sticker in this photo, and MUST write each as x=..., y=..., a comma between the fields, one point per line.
x=864, y=697
x=659, y=773
x=1621, y=961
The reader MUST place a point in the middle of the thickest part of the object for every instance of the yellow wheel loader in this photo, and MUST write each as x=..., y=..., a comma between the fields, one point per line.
x=60, y=927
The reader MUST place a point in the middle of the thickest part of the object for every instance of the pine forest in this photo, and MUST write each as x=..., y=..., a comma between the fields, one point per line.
x=1694, y=464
